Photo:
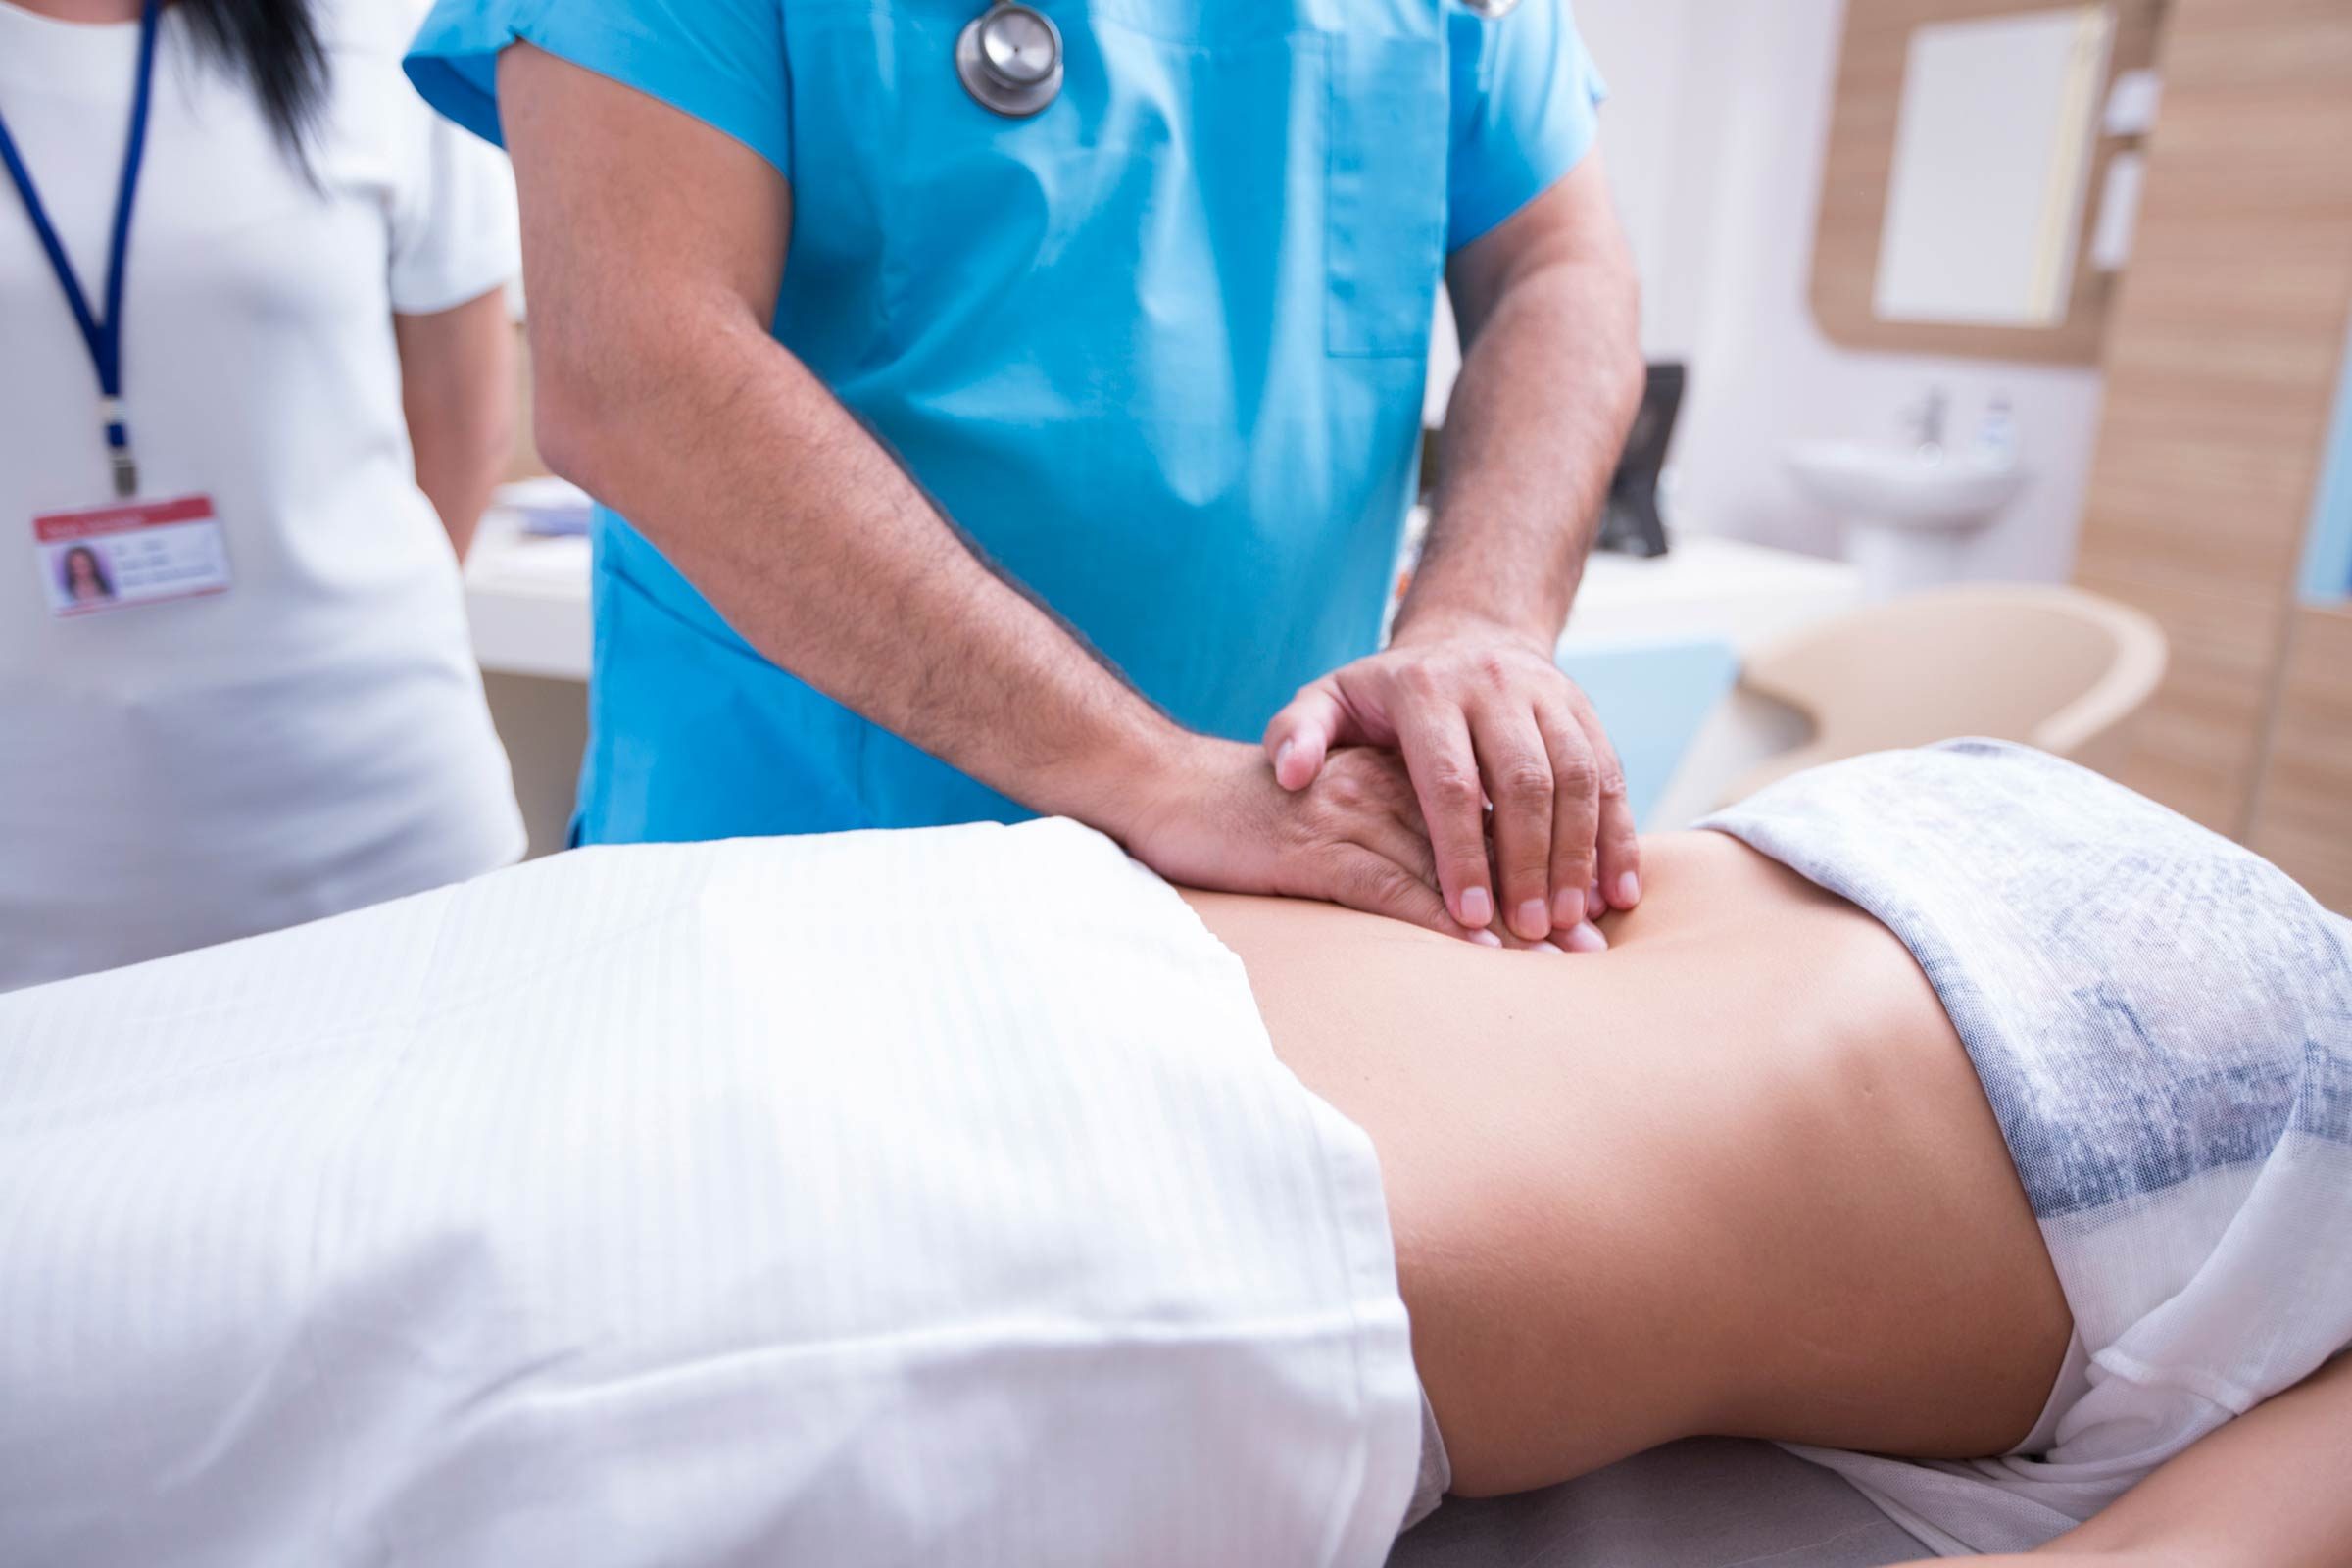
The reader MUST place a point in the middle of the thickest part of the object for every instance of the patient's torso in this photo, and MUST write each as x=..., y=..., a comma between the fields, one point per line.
x=1735, y=1175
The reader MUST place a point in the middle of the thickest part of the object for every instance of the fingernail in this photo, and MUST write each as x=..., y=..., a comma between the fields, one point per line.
x=1281, y=754
x=1567, y=908
x=1486, y=938
x=1531, y=922
x=1478, y=910
x=1628, y=891
x=1587, y=938
x=1545, y=947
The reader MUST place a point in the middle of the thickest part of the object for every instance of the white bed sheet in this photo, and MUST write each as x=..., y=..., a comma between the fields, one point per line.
x=920, y=1198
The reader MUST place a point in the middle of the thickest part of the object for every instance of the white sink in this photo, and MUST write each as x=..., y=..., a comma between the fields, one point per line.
x=1909, y=511
x=1921, y=489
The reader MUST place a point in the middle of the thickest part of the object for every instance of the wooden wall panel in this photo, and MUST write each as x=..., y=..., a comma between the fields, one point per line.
x=2192, y=494
x=1872, y=60
x=2197, y=746
x=2304, y=818
x=2222, y=361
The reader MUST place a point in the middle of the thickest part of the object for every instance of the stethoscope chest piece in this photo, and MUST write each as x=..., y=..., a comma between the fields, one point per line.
x=1493, y=10
x=1009, y=59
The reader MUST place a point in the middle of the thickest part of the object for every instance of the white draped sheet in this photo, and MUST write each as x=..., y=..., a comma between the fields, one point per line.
x=914, y=1197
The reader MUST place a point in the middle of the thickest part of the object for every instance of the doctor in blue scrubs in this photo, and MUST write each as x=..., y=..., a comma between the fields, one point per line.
x=1000, y=410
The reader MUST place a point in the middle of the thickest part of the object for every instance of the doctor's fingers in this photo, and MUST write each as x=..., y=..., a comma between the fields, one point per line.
x=1571, y=854
x=1543, y=793
x=1379, y=859
x=1302, y=734
x=1366, y=799
x=1434, y=737
x=1367, y=879
x=1613, y=851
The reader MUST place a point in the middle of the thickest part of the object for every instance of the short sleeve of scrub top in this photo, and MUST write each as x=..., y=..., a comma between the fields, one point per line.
x=721, y=61
x=1526, y=100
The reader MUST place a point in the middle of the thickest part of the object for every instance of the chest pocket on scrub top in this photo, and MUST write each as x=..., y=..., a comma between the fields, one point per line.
x=1385, y=192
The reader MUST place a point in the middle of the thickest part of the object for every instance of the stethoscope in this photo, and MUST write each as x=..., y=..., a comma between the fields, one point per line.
x=1009, y=55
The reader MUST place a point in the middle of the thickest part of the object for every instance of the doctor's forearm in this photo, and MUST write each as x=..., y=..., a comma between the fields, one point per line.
x=457, y=384
x=820, y=551
x=1551, y=379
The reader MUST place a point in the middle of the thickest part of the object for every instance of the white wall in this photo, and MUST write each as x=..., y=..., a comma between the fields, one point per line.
x=1714, y=135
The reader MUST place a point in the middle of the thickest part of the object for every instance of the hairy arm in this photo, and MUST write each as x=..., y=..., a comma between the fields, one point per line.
x=1549, y=309
x=655, y=248
x=457, y=389
x=2267, y=1491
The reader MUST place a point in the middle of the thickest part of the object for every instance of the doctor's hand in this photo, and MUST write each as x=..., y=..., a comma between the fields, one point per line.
x=1481, y=713
x=1210, y=815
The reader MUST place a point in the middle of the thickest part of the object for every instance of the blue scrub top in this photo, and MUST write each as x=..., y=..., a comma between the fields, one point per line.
x=1160, y=350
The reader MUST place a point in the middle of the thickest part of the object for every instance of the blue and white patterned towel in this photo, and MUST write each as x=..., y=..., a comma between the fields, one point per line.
x=2163, y=1023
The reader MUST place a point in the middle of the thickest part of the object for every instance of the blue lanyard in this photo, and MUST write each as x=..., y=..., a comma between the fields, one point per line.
x=103, y=336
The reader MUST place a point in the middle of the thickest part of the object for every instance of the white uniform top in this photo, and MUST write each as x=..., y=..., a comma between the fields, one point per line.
x=316, y=738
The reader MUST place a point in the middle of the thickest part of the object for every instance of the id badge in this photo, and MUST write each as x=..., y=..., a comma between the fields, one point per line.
x=132, y=554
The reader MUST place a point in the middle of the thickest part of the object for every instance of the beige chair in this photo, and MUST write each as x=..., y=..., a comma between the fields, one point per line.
x=2054, y=667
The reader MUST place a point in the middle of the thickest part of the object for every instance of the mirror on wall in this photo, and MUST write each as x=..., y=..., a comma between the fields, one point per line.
x=1969, y=145
x=1992, y=152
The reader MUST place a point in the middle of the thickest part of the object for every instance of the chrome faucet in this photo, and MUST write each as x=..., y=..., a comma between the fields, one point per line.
x=1925, y=421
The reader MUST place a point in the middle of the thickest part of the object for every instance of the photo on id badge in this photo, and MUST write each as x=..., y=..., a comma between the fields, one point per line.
x=129, y=553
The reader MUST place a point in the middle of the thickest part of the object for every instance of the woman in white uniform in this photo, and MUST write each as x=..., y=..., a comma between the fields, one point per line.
x=254, y=384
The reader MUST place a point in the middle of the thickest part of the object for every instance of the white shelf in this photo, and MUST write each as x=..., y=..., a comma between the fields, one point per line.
x=528, y=600
x=1742, y=594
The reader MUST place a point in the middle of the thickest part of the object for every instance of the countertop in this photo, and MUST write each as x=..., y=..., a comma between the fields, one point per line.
x=528, y=597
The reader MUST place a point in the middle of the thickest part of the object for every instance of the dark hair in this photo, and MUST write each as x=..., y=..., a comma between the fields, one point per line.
x=65, y=571
x=274, y=44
